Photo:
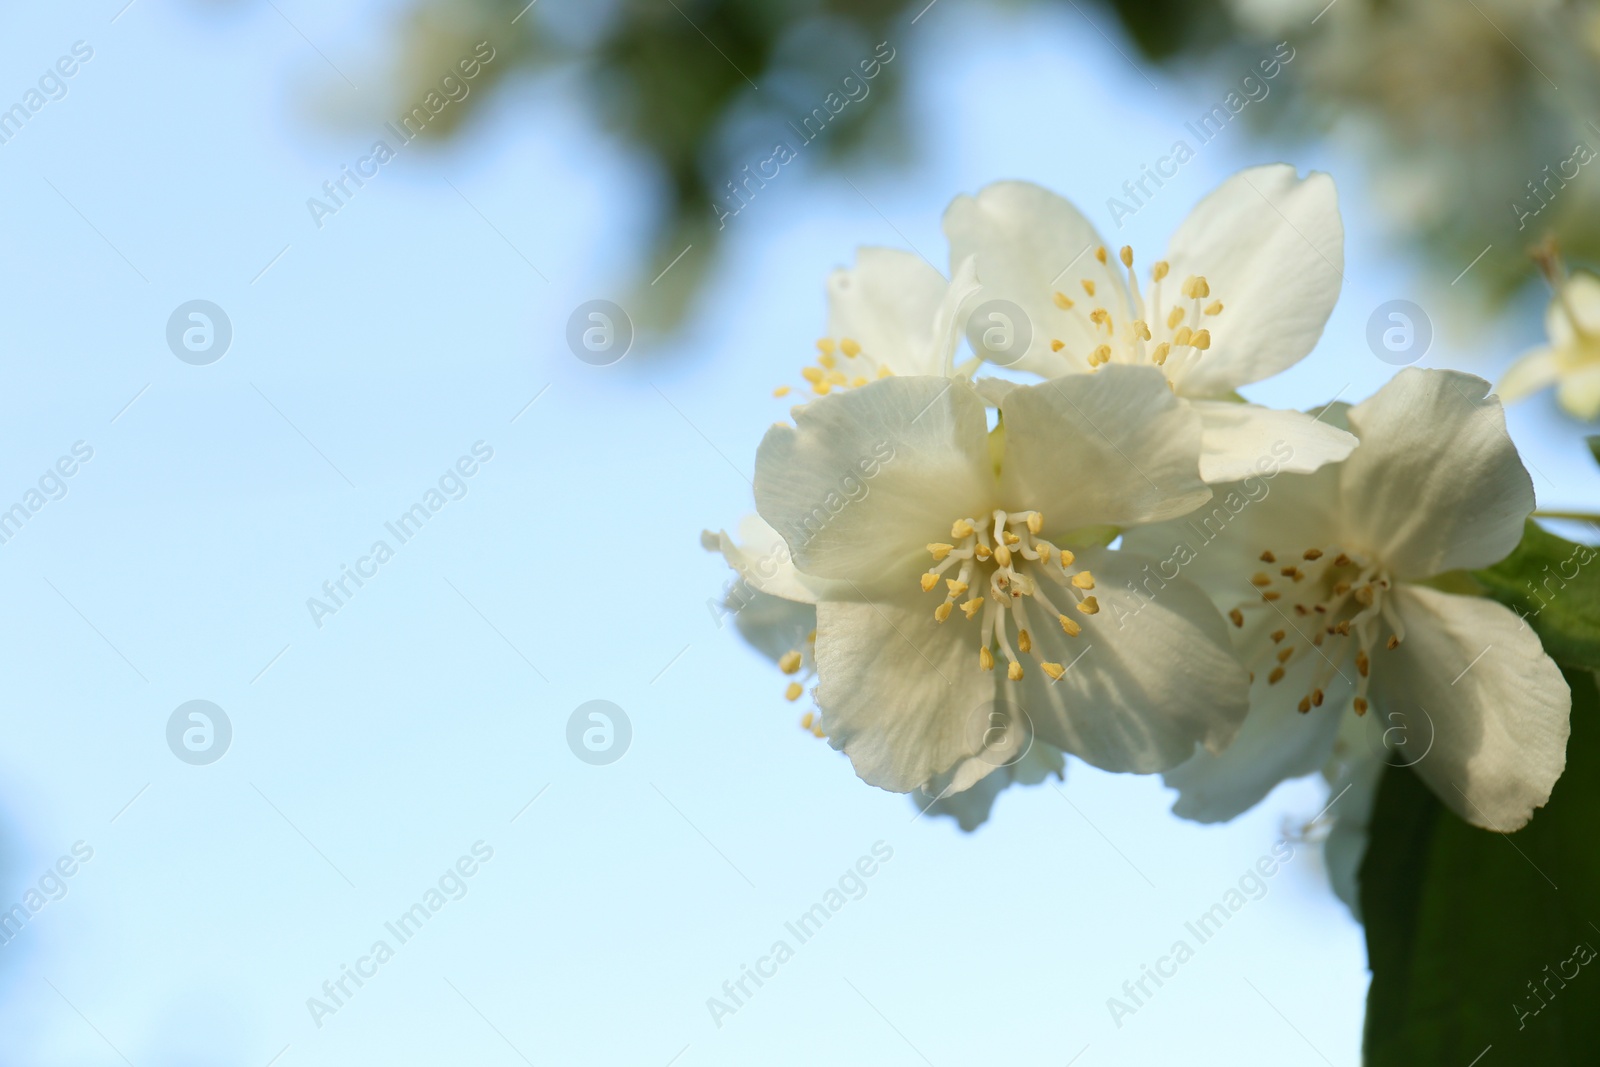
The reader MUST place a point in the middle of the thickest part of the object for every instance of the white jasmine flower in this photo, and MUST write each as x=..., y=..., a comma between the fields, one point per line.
x=1571, y=361
x=892, y=313
x=971, y=808
x=1248, y=283
x=907, y=653
x=1330, y=580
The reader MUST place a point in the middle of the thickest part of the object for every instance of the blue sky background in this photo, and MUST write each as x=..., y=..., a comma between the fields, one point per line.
x=369, y=754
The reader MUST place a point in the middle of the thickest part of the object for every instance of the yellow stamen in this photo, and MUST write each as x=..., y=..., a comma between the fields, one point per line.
x=792, y=694
x=1237, y=617
x=826, y=359
x=939, y=550
x=1159, y=271
x=956, y=588
x=1089, y=605
x=1072, y=628
x=1088, y=286
x=1201, y=340
x=1014, y=671
x=849, y=348
x=1313, y=553
x=1276, y=676
x=942, y=612
x=1024, y=641
x=986, y=659
x=1062, y=301
x=1035, y=522
x=811, y=374
x=961, y=528
x=1056, y=346
x=971, y=607
x=1159, y=356
x=825, y=345
x=1214, y=308
x=929, y=580
x=782, y=390
x=1054, y=670
x=1127, y=255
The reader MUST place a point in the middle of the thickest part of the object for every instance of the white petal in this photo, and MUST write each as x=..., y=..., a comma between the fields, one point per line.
x=1146, y=680
x=762, y=560
x=1356, y=790
x=1024, y=239
x=971, y=808
x=1498, y=706
x=1243, y=440
x=1277, y=742
x=888, y=303
x=1114, y=448
x=866, y=478
x=1436, y=484
x=1580, y=297
x=771, y=625
x=1579, y=393
x=901, y=695
x=1534, y=370
x=1271, y=246
x=1219, y=546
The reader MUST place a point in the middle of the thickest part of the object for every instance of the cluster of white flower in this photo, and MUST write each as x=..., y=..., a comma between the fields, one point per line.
x=1120, y=559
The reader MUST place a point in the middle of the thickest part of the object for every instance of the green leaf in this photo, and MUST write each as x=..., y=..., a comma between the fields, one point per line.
x=1460, y=921
x=1555, y=586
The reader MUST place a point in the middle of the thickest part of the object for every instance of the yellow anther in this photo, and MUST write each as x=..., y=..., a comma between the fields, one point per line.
x=1316, y=698
x=1289, y=572
x=1100, y=355
x=1002, y=555
x=1044, y=553
x=1365, y=596
x=1100, y=254
x=1214, y=308
x=956, y=587
x=1099, y=316
x=789, y=662
x=1201, y=339
x=1393, y=642
x=857, y=383
x=1174, y=317
x=1014, y=671
x=811, y=374
x=1034, y=522
x=884, y=372
x=1062, y=300
x=1066, y=559
x=849, y=348
x=1054, y=670
x=826, y=359
x=1089, y=605
x=1088, y=286
x=1279, y=635
x=960, y=528
x=1341, y=560
x=1024, y=641
x=822, y=388
x=1363, y=663
x=1314, y=553
x=816, y=731
x=929, y=580
x=982, y=551
x=1056, y=346
x=1010, y=538
x=1141, y=330
x=1127, y=255
x=825, y=345
x=1183, y=336
x=1083, y=580
x=942, y=612
x=1236, y=617
x=1159, y=356
x=1159, y=271
x=1071, y=628
x=986, y=658
x=1285, y=653
x=1202, y=288
x=938, y=550
x=1270, y=595
x=1361, y=705
x=1276, y=676
x=1260, y=579
x=1305, y=705
x=1268, y=557
x=1341, y=588
x=836, y=377
x=782, y=390
x=971, y=606
x=793, y=693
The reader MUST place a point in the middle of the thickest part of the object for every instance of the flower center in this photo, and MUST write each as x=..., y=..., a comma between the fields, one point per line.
x=841, y=364
x=1000, y=561
x=1338, y=601
x=1171, y=338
